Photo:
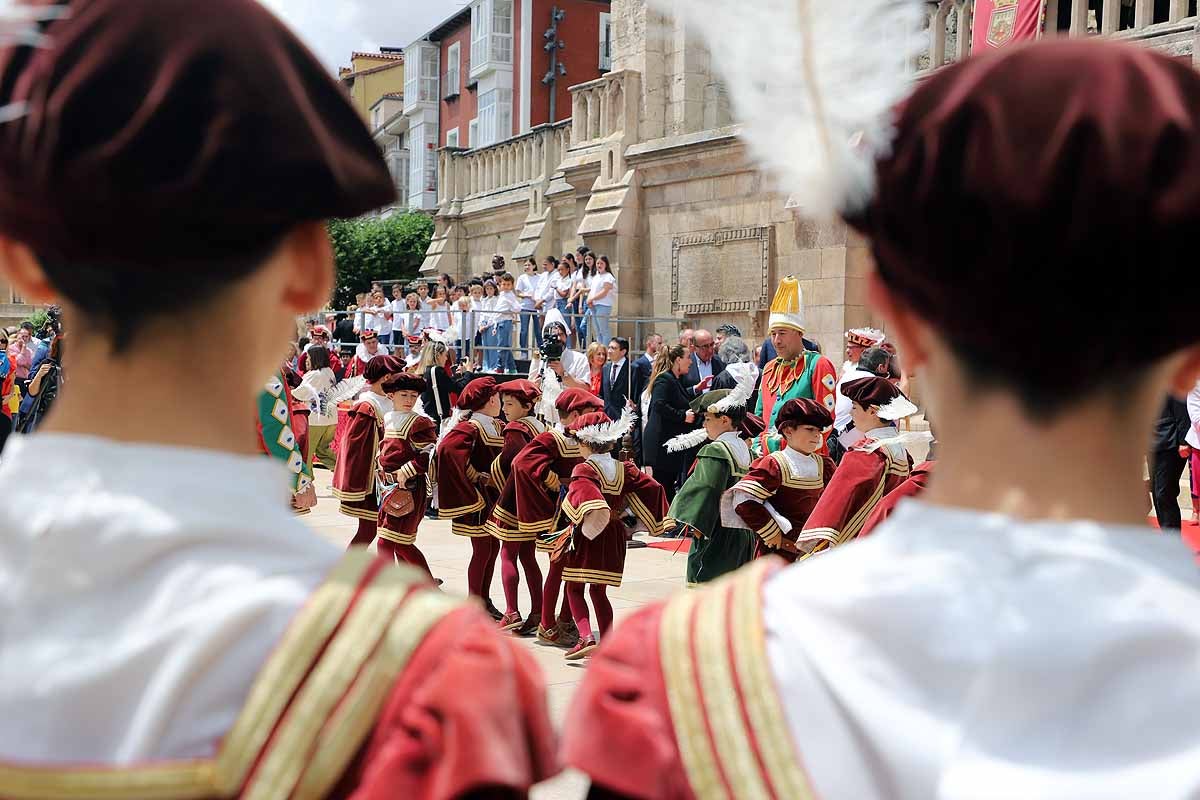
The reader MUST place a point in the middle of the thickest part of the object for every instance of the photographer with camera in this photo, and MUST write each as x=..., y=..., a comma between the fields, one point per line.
x=569, y=365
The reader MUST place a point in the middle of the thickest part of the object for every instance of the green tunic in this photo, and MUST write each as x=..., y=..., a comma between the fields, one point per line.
x=719, y=549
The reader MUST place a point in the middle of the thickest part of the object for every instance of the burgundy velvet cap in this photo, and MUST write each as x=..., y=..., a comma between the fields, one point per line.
x=580, y=400
x=381, y=366
x=868, y=392
x=198, y=129
x=403, y=382
x=476, y=394
x=524, y=390
x=1047, y=193
x=803, y=411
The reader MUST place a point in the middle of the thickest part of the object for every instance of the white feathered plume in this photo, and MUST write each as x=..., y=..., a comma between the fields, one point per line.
x=686, y=441
x=608, y=431
x=813, y=83
x=738, y=396
x=552, y=389
x=342, y=391
x=899, y=408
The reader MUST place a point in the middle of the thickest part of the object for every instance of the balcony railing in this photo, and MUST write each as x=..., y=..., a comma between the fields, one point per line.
x=950, y=21
x=523, y=160
x=600, y=109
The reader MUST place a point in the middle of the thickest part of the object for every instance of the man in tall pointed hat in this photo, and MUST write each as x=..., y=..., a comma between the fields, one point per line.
x=795, y=372
x=170, y=630
x=1018, y=631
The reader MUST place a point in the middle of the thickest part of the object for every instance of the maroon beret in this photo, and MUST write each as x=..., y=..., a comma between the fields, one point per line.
x=752, y=425
x=1047, y=193
x=577, y=400
x=194, y=130
x=524, y=390
x=477, y=393
x=803, y=411
x=868, y=392
x=381, y=366
x=403, y=382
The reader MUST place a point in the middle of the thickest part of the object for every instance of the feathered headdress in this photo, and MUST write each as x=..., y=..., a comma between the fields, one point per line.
x=813, y=83
x=552, y=388
x=899, y=408
x=686, y=441
x=738, y=397
x=608, y=431
x=342, y=391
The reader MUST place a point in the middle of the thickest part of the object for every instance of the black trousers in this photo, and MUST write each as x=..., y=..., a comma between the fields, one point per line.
x=1166, y=468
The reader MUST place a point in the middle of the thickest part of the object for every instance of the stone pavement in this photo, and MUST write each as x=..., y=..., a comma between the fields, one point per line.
x=650, y=574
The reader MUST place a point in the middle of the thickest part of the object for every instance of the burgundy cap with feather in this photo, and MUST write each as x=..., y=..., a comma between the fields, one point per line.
x=1047, y=192
x=197, y=130
x=381, y=366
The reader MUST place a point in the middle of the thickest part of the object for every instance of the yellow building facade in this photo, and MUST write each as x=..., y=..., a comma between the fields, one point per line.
x=371, y=76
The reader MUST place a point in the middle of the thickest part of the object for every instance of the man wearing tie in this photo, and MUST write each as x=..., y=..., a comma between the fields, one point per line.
x=617, y=382
x=705, y=365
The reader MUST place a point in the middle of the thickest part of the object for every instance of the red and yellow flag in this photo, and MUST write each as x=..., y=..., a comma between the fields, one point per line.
x=1000, y=22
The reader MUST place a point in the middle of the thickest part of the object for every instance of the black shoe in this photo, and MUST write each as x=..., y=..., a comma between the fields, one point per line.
x=496, y=613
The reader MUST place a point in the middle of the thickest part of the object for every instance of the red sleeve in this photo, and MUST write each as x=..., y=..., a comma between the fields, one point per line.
x=647, y=499
x=847, y=500
x=536, y=503
x=619, y=732
x=394, y=454
x=468, y=714
x=355, y=465
x=457, y=489
x=910, y=488
x=762, y=482
x=584, y=494
x=516, y=436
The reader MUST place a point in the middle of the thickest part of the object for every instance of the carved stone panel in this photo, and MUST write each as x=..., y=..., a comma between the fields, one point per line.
x=720, y=271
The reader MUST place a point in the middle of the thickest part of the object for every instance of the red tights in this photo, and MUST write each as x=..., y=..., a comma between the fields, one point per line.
x=484, y=550
x=366, y=533
x=405, y=554
x=579, y=609
x=550, y=591
x=510, y=552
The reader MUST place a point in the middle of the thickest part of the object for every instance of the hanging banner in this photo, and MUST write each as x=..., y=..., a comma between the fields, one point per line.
x=1000, y=22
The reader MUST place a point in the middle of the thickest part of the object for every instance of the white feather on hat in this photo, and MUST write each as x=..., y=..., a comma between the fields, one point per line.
x=686, y=441
x=608, y=431
x=899, y=408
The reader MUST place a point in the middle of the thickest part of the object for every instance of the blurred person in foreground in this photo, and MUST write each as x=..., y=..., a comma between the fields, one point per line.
x=170, y=629
x=1019, y=631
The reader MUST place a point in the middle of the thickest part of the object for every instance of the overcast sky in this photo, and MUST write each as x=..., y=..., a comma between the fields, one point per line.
x=334, y=28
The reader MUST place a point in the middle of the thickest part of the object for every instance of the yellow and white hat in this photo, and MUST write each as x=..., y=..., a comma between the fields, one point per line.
x=787, y=309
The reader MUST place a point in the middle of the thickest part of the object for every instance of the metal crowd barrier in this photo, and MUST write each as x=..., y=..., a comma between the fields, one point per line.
x=524, y=338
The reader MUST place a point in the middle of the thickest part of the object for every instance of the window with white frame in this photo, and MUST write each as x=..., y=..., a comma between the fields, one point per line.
x=429, y=74
x=416, y=160
x=479, y=35
x=605, y=43
x=502, y=31
x=452, y=137
x=495, y=116
x=452, y=70
x=473, y=133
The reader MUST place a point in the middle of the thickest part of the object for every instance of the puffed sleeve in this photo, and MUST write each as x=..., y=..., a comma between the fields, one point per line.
x=619, y=732
x=355, y=471
x=748, y=495
x=646, y=498
x=466, y=717
x=457, y=491
x=857, y=483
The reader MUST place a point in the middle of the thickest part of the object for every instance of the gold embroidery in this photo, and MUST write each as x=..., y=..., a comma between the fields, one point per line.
x=398, y=538
x=355, y=716
x=284, y=671
x=355, y=640
x=793, y=481
x=684, y=699
x=486, y=436
x=592, y=576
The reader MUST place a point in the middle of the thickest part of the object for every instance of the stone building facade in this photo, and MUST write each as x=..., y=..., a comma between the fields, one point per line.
x=650, y=171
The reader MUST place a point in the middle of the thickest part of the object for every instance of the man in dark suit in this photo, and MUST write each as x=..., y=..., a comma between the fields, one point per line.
x=617, y=383
x=706, y=365
x=643, y=365
x=1167, y=459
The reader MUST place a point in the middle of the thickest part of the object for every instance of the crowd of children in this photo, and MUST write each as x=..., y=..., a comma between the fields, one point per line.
x=520, y=468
